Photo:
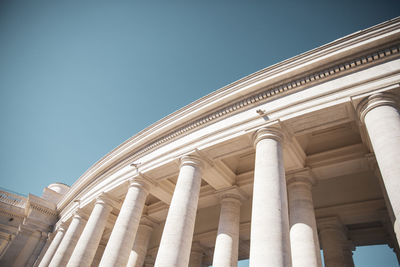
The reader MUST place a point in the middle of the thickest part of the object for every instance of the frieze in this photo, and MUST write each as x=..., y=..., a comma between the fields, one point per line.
x=12, y=213
x=42, y=209
x=324, y=74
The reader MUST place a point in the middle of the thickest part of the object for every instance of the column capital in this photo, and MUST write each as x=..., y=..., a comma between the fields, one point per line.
x=80, y=214
x=192, y=160
x=142, y=181
x=376, y=100
x=62, y=227
x=304, y=176
x=106, y=200
x=233, y=193
x=331, y=223
x=268, y=133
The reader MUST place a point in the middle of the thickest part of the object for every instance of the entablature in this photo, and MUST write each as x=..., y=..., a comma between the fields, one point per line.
x=305, y=95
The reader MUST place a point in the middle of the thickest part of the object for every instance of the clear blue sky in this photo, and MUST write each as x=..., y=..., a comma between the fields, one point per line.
x=77, y=78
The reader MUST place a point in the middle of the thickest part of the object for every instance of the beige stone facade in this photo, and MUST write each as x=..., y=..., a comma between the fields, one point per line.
x=300, y=156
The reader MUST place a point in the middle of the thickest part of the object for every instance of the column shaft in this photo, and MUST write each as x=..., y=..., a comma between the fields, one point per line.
x=348, y=257
x=52, y=248
x=269, y=224
x=89, y=240
x=17, y=243
x=303, y=227
x=123, y=235
x=49, y=239
x=334, y=242
x=38, y=248
x=382, y=120
x=67, y=245
x=27, y=249
x=177, y=236
x=227, y=242
x=4, y=242
x=332, y=246
x=139, y=250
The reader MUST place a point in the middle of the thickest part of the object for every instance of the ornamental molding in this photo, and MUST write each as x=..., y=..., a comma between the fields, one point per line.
x=40, y=205
x=323, y=75
x=10, y=213
x=42, y=209
x=266, y=95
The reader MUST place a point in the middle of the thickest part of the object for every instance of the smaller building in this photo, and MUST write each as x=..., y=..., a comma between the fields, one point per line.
x=25, y=224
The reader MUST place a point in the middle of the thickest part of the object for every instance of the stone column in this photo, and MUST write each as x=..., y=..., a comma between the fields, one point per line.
x=177, y=236
x=38, y=248
x=381, y=116
x=27, y=249
x=17, y=240
x=227, y=242
x=388, y=219
x=53, y=246
x=123, y=234
x=348, y=254
x=139, y=250
x=387, y=223
x=50, y=237
x=67, y=245
x=5, y=240
x=269, y=244
x=334, y=242
x=303, y=227
x=375, y=168
x=21, y=246
x=89, y=240
x=196, y=255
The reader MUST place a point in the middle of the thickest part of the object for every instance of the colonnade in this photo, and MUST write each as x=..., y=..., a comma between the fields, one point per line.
x=284, y=230
x=23, y=248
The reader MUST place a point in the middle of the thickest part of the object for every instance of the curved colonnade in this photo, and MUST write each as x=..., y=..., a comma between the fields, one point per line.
x=295, y=158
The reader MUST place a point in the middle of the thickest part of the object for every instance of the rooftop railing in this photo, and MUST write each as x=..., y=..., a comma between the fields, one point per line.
x=12, y=199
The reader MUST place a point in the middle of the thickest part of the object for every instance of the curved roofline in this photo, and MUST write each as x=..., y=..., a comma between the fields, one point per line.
x=339, y=49
x=60, y=183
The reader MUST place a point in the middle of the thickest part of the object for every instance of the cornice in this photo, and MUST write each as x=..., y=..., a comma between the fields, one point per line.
x=265, y=95
x=42, y=209
x=145, y=142
x=41, y=205
x=11, y=213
